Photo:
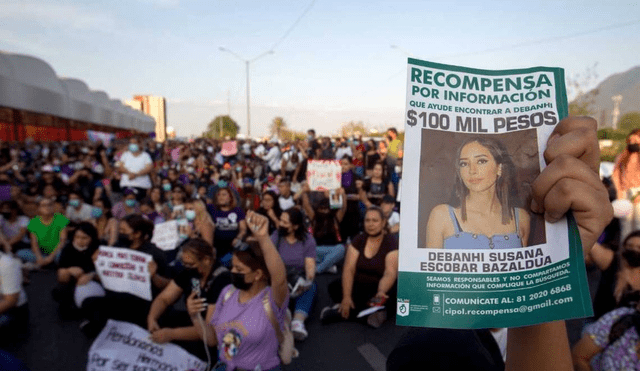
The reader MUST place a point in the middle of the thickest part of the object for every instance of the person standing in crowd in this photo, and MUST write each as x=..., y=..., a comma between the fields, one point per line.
x=202, y=271
x=135, y=167
x=247, y=320
x=350, y=225
x=298, y=251
x=48, y=235
x=369, y=275
x=273, y=158
x=314, y=148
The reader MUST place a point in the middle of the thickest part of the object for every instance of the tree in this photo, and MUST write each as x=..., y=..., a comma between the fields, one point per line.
x=351, y=128
x=229, y=127
x=629, y=122
x=582, y=100
x=278, y=127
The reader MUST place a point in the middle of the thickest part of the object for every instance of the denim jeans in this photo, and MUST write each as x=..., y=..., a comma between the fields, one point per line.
x=328, y=256
x=305, y=300
x=27, y=255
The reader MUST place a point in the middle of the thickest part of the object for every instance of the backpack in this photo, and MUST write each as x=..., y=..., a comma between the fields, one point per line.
x=286, y=349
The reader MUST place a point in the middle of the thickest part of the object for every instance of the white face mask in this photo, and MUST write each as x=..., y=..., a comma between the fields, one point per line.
x=398, y=169
x=80, y=248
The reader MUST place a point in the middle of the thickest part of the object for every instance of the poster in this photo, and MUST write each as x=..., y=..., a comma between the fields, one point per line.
x=165, y=235
x=324, y=175
x=229, y=148
x=124, y=270
x=125, y=346
x=472, y=254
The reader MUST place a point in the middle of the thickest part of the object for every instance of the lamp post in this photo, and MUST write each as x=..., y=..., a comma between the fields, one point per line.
x=247, y=63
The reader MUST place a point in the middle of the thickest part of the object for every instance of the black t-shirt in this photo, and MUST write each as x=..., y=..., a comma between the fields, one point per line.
x=71, y=257
x=217, y=280
x=376, y=191
x=372, y=270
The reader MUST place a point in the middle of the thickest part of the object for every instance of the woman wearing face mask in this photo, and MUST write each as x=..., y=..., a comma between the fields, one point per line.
x=626, y=178
x=76, y=267
x=201, y=270
x=105, y=223
x=135, y=234
x=270, y=207
x=242, y=322
x=135, y=167
x=128, y=206
x=230, y=225
x=369, y=275
x=298, y=251
x=200, y=223
x=325, y=222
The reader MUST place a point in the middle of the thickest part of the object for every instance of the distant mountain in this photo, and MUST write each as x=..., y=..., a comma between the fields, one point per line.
x=626, y=84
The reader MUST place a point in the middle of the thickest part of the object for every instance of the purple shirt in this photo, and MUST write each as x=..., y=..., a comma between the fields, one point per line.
x=293, y=255
x=621, y=355
x=246, y=337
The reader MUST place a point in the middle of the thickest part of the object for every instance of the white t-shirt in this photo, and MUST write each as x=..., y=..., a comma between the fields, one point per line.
x=11, y=230
x=11, y=278
x=286, y=203
x=273, y=158
x=341, y=151
x=82, y=215
x=135, y=164
x=394, y=219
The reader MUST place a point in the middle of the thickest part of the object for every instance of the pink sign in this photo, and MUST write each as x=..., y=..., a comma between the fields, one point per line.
x=229, y=148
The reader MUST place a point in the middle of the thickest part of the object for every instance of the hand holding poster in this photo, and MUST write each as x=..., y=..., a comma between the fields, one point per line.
x=473, y=254
x=324, y=175
x=165, y=235
x=124, y=270
x=125, y=346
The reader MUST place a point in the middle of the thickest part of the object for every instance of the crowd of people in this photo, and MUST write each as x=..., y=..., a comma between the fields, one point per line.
x=254, y=236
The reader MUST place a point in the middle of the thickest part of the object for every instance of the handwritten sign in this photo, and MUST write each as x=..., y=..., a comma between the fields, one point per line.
x=125, y=346
x=229, y=148
x=165, y=235
x=324, y=175
x=124, y=270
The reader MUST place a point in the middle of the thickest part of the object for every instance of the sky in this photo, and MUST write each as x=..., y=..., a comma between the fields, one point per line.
x=332, y=61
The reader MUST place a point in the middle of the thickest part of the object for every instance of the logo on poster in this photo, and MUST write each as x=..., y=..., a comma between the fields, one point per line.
x=436, y=299
x=403, y=308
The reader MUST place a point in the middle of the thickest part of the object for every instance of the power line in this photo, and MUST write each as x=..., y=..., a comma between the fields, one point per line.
x=293, y=25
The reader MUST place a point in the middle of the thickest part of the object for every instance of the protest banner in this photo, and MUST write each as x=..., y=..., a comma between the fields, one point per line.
x=472, y=254
x=229, y=148
x=124, y=270
x=125, y=346
x=165, y=235
x=324, y=175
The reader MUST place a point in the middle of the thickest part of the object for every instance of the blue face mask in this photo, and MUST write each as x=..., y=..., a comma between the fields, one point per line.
x=190, y=214
x=133, y=147
x=166, y=187
x=222, y=184
x=74, y=203
x=96, y=212
x=129, y=202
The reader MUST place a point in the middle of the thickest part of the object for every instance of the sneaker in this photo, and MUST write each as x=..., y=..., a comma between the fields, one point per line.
x=376, y=319
x=299, y=332
x=333, y=269
x=330, y=315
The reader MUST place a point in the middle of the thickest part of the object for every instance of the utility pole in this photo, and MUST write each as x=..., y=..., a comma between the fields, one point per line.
x=616, y=110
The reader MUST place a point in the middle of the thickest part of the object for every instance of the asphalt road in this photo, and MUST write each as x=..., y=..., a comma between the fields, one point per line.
x=53, y=344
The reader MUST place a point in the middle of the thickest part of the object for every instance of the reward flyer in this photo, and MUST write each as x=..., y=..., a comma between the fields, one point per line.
x=472, y=254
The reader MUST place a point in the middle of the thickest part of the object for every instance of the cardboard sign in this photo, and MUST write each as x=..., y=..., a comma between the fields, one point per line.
x=165, y=235
x=229, y=148
x=124, y=270
x=476, y=138
x=324, y=175
x=125, y=346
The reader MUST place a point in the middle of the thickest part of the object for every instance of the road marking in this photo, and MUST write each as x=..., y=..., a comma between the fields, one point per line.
x=372, y=354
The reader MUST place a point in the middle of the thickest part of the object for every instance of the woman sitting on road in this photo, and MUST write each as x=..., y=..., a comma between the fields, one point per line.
x=248, y=318
x=369, y=274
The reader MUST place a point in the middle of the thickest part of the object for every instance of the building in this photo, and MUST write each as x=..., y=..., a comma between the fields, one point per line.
x=155, y=107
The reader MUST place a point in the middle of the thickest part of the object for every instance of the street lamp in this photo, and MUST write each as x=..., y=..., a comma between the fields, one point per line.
x=247, y=62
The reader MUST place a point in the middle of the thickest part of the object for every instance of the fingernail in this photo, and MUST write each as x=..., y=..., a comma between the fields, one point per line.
x=535, y=207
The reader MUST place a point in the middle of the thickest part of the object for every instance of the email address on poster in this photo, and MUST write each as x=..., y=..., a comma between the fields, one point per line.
x=495, y=312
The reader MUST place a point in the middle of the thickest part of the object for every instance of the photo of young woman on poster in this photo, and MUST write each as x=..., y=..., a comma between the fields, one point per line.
x=482, y=214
